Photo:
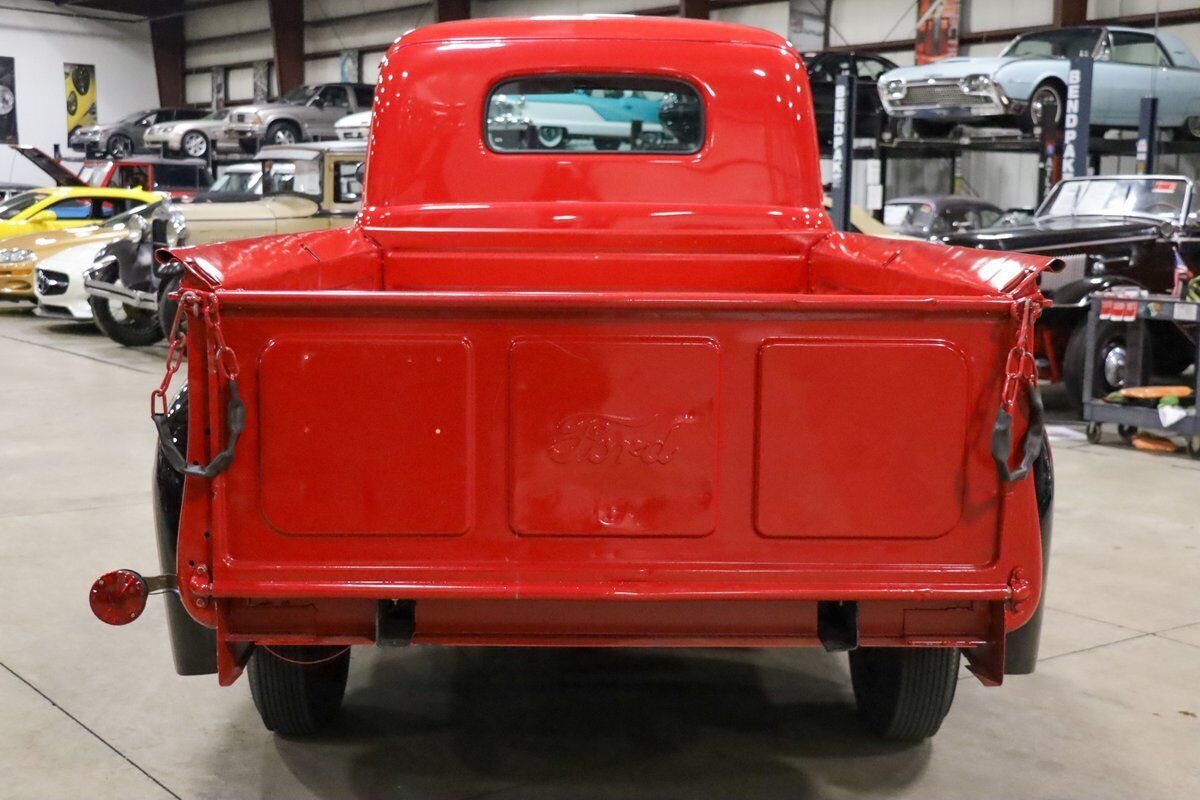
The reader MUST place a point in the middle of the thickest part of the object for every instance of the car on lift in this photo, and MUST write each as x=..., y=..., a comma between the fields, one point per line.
x=1109, y=231
x=178, y=178
x=126, y=136
x=305, y=114
x=586, y=398
x=823, y=69
x=933, y=215
x=1029, y=78
x=201, y=137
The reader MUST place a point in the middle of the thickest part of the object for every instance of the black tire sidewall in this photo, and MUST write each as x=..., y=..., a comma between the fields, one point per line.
x=123, y=333
x=1074, y=360
x=298, y=699
x=278, y=125
x=119, y=138
x=183, y=144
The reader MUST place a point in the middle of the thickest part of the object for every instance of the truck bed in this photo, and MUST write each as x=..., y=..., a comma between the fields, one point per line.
x=658, y=444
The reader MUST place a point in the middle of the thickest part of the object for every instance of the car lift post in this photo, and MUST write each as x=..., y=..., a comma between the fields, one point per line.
x=1147, y=138
x=843, y=149
x=1077, y=119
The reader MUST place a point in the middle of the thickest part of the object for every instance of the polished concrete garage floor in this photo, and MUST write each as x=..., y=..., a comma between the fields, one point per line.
x=92, y=711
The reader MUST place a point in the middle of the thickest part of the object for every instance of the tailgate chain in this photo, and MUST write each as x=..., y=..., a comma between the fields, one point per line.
x=226, y=367
x=1019, y=368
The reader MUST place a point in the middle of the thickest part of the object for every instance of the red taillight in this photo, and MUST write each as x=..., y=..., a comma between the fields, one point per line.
x=119, y=597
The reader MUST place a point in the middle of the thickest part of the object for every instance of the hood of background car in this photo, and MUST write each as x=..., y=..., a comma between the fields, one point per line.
x=268, y=209
x=360, y=119
x=1052, y=231
x=952, y=68
x=102, y=128
x=48, y=242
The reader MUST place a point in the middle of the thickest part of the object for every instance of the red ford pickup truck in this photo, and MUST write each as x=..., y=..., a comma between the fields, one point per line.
x=592, y=367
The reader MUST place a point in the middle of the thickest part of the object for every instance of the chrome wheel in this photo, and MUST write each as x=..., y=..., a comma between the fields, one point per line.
x=1192, y=126
x=119, y=147
x=284, y=135
x=1113, y=364
x=195, y=144
x=551, y=137
x=1045, y=99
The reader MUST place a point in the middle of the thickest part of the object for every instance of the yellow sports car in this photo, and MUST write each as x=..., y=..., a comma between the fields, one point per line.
x=66, y=207
x=20, y=255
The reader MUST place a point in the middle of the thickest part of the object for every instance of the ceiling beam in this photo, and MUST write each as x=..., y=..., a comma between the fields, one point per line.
x=168, y=43
x=448, y=10
x=287, y=35
x=1069, y=12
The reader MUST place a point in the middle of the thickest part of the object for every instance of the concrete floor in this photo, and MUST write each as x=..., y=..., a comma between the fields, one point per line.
x=92, y=711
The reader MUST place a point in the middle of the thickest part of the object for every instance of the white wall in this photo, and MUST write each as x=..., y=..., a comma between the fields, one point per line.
x=771, y=16
x=1120, y=8
x=40, y=43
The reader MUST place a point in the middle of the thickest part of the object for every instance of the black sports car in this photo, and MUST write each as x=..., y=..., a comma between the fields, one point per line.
x=823, y=69
x=1117, y=230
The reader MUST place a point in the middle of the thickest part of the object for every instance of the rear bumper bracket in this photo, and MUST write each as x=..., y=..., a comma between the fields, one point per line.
x=837, y=625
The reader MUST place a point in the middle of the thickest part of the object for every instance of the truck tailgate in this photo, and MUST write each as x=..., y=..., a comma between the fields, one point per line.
x=588, y=445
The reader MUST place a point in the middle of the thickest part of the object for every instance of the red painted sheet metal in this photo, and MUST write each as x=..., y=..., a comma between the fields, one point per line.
x=376, y=551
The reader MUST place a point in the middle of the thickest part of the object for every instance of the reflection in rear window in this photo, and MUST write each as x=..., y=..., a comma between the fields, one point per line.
x=595, y=113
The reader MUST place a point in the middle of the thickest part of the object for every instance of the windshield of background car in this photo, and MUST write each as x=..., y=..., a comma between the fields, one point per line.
x=15, y=205
x=94, y=174
x=898, y=215
x=348, y=188
x=1160, y=198
x=1063, y=43
x=594, y=113
x=134, y=117
x=299, y=96
x=292, y=177
x=144, y=210
x=239, y=182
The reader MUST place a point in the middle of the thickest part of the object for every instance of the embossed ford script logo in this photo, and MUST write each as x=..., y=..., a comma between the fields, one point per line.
x=606, y=438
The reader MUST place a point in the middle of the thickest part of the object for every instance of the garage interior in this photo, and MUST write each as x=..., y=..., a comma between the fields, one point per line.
x=1113, y=709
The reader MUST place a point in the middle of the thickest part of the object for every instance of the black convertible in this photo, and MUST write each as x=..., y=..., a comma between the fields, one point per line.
x=1138, y=230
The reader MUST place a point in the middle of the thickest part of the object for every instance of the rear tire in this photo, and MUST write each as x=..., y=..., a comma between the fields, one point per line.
x=282, y=132
x=298, y=699
x=119, y=146
x=167, y=307
x=904, y=693
x=1191, y=127
x=194, y=144
x=133, y=328
x=1110, y=349
x=1047, y=93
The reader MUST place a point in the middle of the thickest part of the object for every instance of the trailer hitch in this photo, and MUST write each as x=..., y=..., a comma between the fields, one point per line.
x=119, y=597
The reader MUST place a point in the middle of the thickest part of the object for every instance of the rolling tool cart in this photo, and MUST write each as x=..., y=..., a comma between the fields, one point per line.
x=1132, y=417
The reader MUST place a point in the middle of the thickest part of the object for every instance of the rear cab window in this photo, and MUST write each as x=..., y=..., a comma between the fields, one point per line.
x=593, y=114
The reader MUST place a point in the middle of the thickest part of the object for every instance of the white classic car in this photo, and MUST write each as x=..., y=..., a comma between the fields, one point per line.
x=354, y=127
x=1031, y=75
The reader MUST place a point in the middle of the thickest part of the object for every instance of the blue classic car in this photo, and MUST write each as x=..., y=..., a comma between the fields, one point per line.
x=1031, y=74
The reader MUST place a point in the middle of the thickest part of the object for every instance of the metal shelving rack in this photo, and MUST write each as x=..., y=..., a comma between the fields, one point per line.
x=1096, y=412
